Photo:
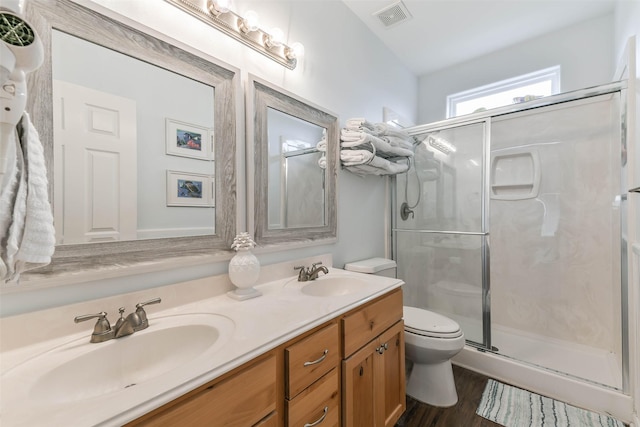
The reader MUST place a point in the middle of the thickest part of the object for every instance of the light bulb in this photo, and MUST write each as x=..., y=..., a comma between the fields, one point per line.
x=217, y=7
x=274, y=38
x=249, y=22
x=295, y=51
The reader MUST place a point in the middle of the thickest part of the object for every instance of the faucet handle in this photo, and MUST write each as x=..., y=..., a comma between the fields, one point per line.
x=144, y=322
x=102, y=328
x=302, y=275
x=313, y=266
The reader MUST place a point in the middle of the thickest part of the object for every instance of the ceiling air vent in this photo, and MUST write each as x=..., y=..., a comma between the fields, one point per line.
x=393, y=14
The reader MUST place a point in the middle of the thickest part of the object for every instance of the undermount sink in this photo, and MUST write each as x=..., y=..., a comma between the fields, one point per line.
x=327, y=286
x=79, y=370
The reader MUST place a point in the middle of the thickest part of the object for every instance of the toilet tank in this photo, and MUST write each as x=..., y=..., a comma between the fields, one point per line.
x=378, y=266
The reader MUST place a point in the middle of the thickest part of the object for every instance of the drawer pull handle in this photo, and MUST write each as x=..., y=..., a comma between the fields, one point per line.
x=315, y=362
x=321, y=419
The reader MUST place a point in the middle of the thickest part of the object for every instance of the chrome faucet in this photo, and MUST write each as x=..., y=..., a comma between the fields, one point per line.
x=134, y=322
x=311, y=273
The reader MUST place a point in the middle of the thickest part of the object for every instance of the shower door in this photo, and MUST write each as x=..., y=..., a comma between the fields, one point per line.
x=541, y=186
x=440, y=233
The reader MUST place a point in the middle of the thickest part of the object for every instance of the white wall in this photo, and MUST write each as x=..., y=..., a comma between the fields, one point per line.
x=584, y=51
x=345, y=70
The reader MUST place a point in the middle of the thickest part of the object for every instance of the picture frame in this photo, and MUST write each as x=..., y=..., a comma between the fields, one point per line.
x=188, y=140
x=190, y=189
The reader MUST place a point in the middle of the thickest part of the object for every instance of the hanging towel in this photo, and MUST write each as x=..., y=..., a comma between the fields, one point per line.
x=8, y=193
x=322, y=145
x=31, y=239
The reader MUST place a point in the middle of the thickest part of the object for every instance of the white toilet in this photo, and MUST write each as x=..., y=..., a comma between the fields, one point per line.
x=431, y=340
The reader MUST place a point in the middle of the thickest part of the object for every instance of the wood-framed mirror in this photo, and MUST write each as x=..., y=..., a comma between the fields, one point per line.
x=191, y=149
x=292, y=147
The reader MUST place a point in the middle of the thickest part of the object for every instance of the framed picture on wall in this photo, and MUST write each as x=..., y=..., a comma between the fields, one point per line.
x=190, y=189
x=188, y=140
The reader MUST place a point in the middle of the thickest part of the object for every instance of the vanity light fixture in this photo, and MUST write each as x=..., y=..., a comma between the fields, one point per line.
x=245, y=29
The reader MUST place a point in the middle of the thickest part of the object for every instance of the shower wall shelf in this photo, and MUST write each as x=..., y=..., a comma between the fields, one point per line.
x=515, y=173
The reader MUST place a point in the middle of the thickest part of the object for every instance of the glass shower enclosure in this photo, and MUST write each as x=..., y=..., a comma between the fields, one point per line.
x=510, y=222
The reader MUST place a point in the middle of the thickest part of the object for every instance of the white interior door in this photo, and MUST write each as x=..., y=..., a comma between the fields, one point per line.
x=95, y=194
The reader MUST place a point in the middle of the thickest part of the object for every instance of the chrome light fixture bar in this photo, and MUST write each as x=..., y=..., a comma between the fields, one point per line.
x=244, y=29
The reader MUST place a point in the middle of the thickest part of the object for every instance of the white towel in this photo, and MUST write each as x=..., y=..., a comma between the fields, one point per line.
x=355, y=157
x=353, y=139
x=322, y=145
x=8, y=192
x=379, y=166
x=359, y=123
x=13, y=234
x=385, y=129
x=322, y=162
x=31, y=239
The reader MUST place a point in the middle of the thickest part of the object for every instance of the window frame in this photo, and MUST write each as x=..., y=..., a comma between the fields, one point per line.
x=547, y=74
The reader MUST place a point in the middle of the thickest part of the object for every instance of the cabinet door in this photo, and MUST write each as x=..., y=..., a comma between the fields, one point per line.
x=374, y=381
x=241, y=400
x=391, y=376
x=358, y=387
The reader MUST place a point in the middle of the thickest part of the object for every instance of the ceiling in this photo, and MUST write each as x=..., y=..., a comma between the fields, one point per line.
x=442, y=33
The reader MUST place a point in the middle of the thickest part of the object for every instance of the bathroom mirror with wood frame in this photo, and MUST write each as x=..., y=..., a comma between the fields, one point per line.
x=71, y=19
x=281, y=127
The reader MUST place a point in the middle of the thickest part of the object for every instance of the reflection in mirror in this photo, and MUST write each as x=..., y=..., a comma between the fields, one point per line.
x=110, y=169
x=296, y=172
x=294, y=145
x=166, y=179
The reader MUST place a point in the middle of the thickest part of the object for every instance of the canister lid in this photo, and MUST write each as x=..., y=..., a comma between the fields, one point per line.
x=371, y=265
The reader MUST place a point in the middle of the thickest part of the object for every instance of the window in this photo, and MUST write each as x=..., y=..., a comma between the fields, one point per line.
x=517, y=89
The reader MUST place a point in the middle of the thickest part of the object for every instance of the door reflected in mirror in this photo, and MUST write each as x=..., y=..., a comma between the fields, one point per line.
x=297, y=168
x=132, y=147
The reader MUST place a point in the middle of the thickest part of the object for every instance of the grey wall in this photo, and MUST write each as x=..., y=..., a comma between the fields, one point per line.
x=344, y=70
x=585, y=53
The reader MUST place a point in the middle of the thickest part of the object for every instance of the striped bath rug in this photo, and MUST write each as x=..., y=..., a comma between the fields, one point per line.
x=514, y=407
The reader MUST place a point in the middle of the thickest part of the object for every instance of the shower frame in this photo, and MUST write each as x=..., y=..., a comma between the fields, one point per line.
x=485, y=118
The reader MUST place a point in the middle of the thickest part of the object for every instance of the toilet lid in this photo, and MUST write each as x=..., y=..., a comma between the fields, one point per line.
x=428, y=323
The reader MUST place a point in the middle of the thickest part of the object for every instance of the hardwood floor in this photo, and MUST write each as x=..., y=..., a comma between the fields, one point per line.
x=470, y=386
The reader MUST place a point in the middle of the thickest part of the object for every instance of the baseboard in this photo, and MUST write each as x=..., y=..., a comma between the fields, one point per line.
x=581, y=394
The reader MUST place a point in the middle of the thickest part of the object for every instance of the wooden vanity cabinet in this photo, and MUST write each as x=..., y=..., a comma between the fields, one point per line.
x=348, y=371
x=373, y=375
x=247, y=397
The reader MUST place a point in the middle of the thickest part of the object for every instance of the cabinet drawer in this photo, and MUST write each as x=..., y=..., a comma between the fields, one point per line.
x=364, y=325
x=311, y=358
x=320, y=403
x=241, y=400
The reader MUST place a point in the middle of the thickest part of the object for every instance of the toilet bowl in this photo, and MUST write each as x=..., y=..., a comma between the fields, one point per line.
x=431, y=340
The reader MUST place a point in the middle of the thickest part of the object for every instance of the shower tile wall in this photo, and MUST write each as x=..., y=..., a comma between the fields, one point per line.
x=556, y=255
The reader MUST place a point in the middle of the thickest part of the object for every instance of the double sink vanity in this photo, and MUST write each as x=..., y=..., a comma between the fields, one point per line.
x=328, y=351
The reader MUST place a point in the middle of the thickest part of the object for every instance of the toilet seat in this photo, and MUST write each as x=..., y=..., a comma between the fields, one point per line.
x=429, y=324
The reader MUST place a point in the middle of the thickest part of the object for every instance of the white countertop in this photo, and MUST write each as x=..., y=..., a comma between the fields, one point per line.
x=259, y=325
